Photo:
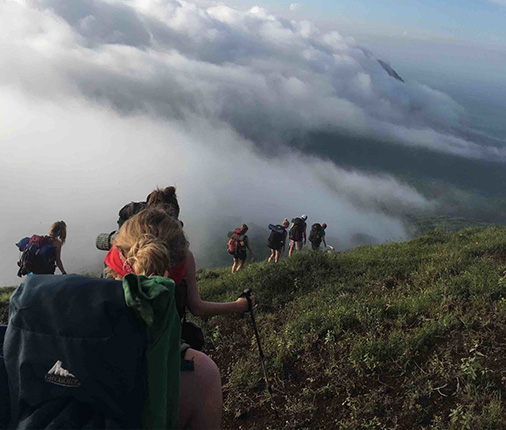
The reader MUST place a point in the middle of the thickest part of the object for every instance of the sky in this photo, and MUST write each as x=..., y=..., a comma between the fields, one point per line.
x=255, y=111
x=458, y=46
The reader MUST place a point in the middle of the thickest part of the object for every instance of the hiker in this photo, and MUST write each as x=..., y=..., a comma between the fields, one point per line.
x=153, y=243
x=186, y=282
x=187, y=291
x=187, y=296
x=165, y=198
x=277, y=240
x=297, y=234
x=237, y=245
x=317, y=235
x=42, y=254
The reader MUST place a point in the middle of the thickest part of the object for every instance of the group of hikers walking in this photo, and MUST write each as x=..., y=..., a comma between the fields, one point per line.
x=138, y=362
x=238, y=241
x=132, y=323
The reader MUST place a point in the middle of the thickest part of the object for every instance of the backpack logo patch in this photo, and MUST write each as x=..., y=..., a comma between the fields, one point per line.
x=59, y=376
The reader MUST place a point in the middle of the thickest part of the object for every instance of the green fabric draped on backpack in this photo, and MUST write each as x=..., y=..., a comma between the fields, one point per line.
x=153, y=302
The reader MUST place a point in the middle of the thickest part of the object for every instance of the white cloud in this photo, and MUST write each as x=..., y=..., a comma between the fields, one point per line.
x=77, y=161
x=176, y=58
x=103, y=100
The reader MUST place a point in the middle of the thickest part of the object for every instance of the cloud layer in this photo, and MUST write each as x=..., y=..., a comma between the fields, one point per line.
x=103, y=100
x=268, y=78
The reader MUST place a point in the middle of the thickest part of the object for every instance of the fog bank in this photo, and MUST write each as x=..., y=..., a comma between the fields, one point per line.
x=104, y=100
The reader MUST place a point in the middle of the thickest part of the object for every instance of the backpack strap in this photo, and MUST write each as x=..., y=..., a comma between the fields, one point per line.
x=153, y=301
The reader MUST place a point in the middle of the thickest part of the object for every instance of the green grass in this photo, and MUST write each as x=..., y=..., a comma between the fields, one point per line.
x=401, y=335
x=397, y=336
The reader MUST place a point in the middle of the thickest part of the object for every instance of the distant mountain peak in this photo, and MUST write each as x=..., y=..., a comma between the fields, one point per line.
x=390, y=71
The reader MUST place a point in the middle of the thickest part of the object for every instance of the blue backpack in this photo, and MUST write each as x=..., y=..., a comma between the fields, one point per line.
x=37, y=256
x=277, y=236
x=75, y=355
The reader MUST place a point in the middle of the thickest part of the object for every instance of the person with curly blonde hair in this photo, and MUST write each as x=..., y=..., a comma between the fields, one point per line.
x=152, y=243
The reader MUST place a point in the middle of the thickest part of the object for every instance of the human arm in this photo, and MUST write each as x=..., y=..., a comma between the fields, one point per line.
x=304, y=234
x=59, y=264
x=202, y=308
x=323, y=238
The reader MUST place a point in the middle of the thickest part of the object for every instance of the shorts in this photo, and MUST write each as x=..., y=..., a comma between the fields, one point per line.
x=186, y=365
x=277, y=247
x=240, y=255
x=298, y=244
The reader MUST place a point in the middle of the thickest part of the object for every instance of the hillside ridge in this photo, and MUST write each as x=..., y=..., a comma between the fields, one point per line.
x=402, y=335
x=395, y=336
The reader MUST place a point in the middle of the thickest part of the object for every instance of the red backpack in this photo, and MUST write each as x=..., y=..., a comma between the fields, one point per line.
x=236, y=241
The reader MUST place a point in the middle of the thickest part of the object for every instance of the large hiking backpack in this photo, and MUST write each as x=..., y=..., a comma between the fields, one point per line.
x=129, y=210
x=277, y=237
x=75, y=355
x=38, y=255
x=316, y=234
x=296, y=232
x=236, y=242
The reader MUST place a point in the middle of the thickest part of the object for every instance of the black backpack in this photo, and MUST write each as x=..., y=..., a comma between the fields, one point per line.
x=277, y=237
x=316, y=234
x=37, y=256
x=297, y=229
x=129, y=210
x=75, y=355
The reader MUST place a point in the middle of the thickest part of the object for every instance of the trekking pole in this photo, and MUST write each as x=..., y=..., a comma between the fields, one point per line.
x=247, y=294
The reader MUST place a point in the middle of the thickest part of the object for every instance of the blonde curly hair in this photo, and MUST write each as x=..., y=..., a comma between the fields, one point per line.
x=151, y=242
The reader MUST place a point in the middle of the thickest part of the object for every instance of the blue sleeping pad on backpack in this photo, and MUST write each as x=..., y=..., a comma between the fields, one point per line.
x=74, y=355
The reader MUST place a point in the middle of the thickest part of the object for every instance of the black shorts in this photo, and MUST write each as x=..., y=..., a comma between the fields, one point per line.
x=240, y=255
x=277, y=247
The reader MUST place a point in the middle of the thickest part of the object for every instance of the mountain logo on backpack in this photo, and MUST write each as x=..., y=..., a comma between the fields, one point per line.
x=59, y=376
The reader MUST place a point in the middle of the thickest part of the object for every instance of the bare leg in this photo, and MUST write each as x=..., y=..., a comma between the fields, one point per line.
x=276, y=259
x=240, y=265
x=290, y=250
x=201, y=398
x=272, y=256
x=234, y=265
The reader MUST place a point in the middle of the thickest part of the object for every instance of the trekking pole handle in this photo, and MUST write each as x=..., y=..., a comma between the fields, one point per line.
x=247, y=295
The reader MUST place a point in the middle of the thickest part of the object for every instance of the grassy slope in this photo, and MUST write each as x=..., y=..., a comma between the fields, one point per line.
x=402, y=335
x=397, y=336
